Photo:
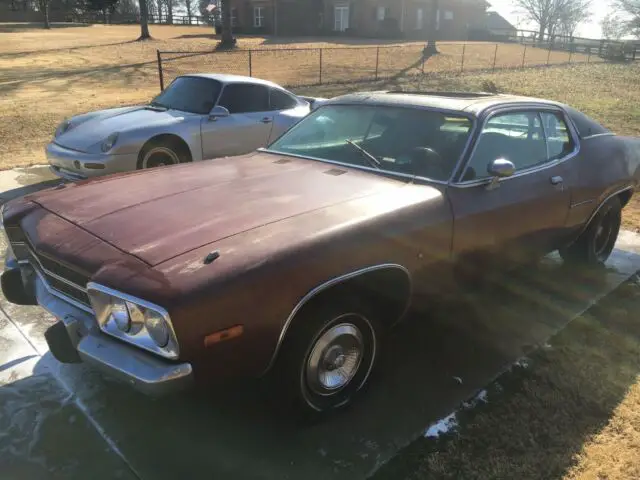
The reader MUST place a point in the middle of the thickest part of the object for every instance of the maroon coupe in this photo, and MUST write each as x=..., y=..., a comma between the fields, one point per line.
x=294, y=261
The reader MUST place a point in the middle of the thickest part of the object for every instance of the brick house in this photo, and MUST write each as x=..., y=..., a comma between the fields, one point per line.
x=366, y=18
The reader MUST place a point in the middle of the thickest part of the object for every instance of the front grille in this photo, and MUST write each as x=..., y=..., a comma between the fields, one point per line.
x=60, y=278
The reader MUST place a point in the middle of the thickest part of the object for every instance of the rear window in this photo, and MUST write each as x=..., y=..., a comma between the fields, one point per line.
x=586, y=126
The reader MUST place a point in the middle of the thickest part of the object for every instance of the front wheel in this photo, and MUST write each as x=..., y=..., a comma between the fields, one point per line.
x=327, y=357
x=161, y=153
x=595, y=244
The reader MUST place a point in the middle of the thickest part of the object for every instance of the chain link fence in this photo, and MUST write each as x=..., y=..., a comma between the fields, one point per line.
x=293, y=67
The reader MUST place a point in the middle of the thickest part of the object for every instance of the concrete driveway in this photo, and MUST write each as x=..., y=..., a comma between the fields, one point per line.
x=61, y=421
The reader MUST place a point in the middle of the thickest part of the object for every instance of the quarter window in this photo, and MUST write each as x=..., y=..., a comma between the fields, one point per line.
x=281, y=100
x=559, y=141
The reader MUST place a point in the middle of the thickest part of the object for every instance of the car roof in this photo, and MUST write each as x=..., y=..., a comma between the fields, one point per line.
x=228, y=78
x=469, y=102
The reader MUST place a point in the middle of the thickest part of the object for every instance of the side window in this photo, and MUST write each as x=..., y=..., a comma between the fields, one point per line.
x=280, y=100
x=517, y=137
x=559, y=141
x=245, y=98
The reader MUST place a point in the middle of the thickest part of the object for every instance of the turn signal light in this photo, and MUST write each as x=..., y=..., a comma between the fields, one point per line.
x=223, y=335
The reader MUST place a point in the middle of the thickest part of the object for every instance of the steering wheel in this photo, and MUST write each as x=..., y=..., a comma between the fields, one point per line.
x=428, y=163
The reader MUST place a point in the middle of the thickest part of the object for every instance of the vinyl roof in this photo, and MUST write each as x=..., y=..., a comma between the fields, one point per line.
x=470, y=102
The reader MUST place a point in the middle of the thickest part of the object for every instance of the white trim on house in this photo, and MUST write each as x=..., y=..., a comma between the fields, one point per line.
x=258, y=16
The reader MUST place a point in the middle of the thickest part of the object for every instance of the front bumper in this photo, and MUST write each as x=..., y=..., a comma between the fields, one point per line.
x=76, y=337
x=72, y=165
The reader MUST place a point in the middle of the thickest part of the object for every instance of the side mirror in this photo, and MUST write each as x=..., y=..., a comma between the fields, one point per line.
x=501, y=168
x=218, y=112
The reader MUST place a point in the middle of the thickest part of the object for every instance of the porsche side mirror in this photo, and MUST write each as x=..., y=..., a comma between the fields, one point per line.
x=218, y=112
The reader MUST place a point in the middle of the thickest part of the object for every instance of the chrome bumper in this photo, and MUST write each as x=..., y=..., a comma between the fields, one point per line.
x=71, y=164
x=83, y=339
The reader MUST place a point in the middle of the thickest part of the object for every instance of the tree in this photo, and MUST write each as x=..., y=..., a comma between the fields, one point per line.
x=572, y=15
x=43, y=6
x=144, y=21
x=432, y=39
x=227, y=40
x=189, y=6
x=631, y=11
x=613, y=27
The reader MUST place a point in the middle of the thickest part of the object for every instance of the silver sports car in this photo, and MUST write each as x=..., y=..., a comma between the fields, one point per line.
x=196, y=117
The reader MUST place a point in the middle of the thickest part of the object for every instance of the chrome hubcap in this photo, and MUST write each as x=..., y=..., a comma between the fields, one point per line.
x=159, y=156
x=335, y=359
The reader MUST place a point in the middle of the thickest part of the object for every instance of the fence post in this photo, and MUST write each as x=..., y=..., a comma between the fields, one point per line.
x=377, y=61
x=589, y=57
x=160, y=70
x=495, y=57
x=635, y=52
x=549, y=55
x=570, y=56
x=524, y=55
x=464, y=50
x=320, y=66
x=250, y=65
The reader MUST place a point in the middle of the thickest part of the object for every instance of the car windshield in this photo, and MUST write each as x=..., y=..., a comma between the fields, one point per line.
x=413, y=141
x=189, y=94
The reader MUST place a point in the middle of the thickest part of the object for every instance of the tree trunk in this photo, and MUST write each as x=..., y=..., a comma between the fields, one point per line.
x=541, y=33
x=227, y=40
x=45, y=10
x=144, y=21
x=170, y=12
x=432, y=48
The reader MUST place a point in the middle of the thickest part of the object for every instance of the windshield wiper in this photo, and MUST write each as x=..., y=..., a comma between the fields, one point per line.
x=373, y=161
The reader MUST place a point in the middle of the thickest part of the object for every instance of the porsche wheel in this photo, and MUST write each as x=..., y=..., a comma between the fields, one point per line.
x=596, y=243
x=162, y=153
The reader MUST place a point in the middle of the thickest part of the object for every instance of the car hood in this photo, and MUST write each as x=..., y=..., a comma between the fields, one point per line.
x=159, y=214
x=89, y=131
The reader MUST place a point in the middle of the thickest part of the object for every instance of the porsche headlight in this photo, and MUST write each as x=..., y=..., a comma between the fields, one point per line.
x=65, y=126
x=109, y=142
x=133, y=320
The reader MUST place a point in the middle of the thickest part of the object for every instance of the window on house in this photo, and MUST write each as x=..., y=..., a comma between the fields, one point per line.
x=234, y=16
x=448, y=15
x=381, y=11
x=341, y=17
x=258, y=17
x=419, y=19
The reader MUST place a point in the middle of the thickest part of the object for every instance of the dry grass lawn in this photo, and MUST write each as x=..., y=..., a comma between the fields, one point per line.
x=573, y=414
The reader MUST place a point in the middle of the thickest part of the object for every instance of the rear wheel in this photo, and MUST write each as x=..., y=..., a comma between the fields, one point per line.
x=158, y=153
x=327, y=357
x=595, y=244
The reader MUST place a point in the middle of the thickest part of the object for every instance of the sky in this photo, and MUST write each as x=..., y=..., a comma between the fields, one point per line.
x=589, y=30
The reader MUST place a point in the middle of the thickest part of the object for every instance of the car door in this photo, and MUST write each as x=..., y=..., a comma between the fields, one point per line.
x=523, y=215
x=247, y=127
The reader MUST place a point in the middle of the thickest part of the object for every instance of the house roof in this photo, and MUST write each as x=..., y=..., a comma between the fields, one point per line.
x=495, y=21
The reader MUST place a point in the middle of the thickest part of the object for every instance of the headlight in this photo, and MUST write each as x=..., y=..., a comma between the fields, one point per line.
x=133, y=320
x=109, y=142
x=65, y=126
x=157, y=328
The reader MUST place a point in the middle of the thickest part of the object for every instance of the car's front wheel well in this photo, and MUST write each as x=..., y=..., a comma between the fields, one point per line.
x=387, y=289
x=172, y=141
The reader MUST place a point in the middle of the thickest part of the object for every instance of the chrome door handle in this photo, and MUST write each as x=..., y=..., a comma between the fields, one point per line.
x=556, y=180
x=267, y=120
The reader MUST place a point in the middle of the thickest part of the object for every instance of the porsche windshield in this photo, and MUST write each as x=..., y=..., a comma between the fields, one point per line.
x=189, y=94
x=405, y=140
